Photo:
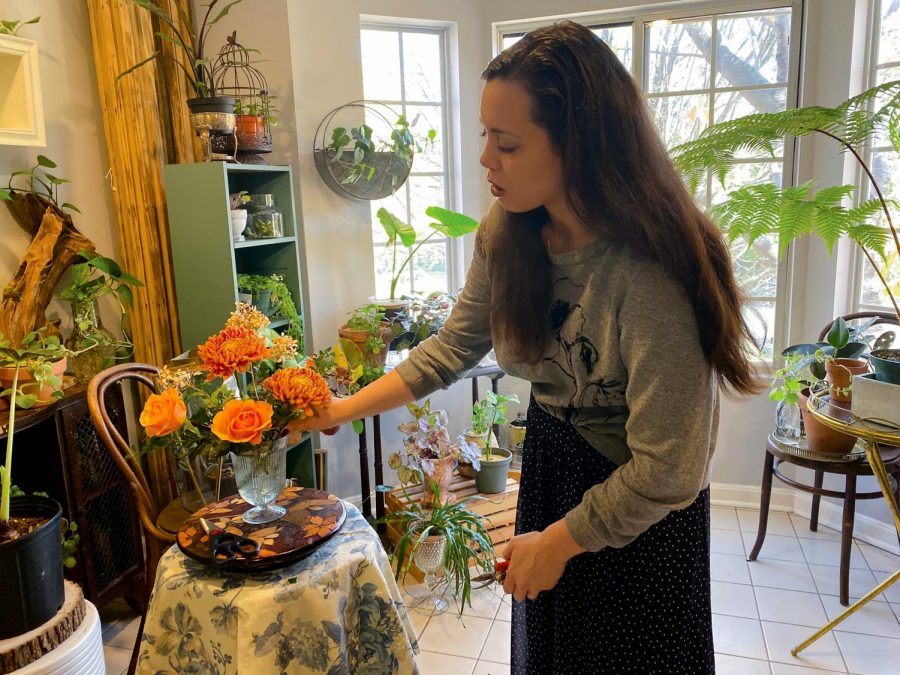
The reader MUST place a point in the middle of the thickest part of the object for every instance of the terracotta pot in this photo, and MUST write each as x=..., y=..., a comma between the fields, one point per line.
x=7, y=375
x=250, y=125
x=359, y=337
x=840, y=374
x=819, y=437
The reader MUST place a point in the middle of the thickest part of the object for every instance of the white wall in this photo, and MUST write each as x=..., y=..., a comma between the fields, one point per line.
x=74, y=134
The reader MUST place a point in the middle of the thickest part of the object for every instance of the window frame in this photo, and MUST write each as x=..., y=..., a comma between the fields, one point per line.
x=640, y=17
x=454, y=246
x=858, y=264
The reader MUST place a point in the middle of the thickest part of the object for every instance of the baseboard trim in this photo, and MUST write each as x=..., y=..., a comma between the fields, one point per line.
x=865, y=528
x=747, y=496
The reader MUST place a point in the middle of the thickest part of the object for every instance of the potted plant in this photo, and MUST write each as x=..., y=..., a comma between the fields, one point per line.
x=200, y=73
x=491, y=476
x=421, y=318
x=430, y=456
x=368, y=329
x=273, y=298
x=445, y=222
x=255, y=115
x=445, y=536
x=357, y=164
x=31, y=562
x=754, y=211
x=201, y=415
x=92, y=346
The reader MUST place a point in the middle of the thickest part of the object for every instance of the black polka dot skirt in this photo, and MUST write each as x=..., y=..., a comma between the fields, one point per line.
x=644, y=608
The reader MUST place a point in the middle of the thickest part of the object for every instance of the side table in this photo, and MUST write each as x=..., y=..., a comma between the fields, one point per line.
x=874, y=436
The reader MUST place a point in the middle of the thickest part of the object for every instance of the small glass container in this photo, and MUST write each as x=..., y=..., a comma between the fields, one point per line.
x=265, y=221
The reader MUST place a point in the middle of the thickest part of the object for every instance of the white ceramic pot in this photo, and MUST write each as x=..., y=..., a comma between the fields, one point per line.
x=238, y=223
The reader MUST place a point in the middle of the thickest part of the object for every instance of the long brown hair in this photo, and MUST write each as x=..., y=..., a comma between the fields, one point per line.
x=617, y=172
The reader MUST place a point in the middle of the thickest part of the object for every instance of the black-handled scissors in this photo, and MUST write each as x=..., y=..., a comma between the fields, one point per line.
x=226, y=546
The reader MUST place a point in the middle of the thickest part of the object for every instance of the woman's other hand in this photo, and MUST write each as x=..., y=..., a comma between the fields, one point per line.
x=537, y=560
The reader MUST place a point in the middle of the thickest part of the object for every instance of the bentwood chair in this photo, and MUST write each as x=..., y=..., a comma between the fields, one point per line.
x=158, y=533
x=776, y=455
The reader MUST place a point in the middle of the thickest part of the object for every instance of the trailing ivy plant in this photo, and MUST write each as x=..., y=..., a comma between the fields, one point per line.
x=40, y=182
x=754, y=211
x=9, y=27
x=282, y=302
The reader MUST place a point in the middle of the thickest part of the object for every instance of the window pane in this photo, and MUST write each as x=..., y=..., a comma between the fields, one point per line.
x=750, y=173
x=680, y=118
x=421, y=119
x=422, y=74
x=873, y=292
x=761, y=317
x=383, y=261
x=619, y=39
x=756, y=267
x=396, y=204
x=889, y=45
x=430, y=268
x=424, y=191
x=678, y=55
x=753, y=49
x=733, y=104
x=886, y=169
x=380, y=51
x=510, y=40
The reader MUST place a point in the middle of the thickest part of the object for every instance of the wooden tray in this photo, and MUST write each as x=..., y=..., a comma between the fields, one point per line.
x=312, y=518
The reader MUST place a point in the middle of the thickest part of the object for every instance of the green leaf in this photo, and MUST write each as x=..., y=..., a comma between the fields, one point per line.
x=838, y=334
x=394, y=227
x=71, y=207
x=108, y=265
x=125, y=296
x=224, y=12
x=45, y=161
x=451, y=223
x=139, y=64
x=26, y=400
x=9, y=25
x=4, y=195
x=124, y=277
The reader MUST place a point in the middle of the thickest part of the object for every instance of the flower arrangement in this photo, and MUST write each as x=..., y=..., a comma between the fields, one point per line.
x=428, y=452
x=251, y=385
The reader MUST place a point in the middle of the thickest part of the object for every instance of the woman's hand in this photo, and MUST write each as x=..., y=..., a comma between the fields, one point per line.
x=537, y=560
x=327, y=420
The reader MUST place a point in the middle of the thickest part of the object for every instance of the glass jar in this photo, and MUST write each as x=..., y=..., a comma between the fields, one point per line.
x=93, y=345
x=788, y=422
x=265, y=221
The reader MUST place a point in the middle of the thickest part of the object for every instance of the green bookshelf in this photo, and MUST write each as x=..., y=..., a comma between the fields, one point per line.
x=206, y=260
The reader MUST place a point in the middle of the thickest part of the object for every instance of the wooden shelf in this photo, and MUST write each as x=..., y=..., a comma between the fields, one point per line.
x=254, y=168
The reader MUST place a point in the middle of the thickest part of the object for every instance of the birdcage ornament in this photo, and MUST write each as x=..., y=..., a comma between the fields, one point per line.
x=235, y=75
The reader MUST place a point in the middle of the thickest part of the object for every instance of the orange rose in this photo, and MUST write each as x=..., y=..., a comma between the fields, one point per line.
x=303, y=388
x=232, y=350
x=163, y=413
x=242, y=421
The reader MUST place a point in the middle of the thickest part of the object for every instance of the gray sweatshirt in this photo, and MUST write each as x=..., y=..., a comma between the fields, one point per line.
x=623, y=363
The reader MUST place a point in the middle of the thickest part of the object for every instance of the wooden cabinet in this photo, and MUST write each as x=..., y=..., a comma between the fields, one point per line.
x=57, y=451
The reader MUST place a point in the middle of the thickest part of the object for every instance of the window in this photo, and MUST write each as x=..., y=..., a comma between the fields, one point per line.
x=699, y=70
x=883, y=159
x=404, y=68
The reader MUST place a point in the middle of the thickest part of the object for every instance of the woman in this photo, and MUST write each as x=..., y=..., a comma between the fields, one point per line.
x=597, y=279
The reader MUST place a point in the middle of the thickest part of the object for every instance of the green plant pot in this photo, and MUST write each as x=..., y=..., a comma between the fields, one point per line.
x=491, y=478
x=262, y=301
x=886, y=364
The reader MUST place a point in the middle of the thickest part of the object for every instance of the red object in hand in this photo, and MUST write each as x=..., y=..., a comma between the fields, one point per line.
x=331, y=431
x=501, y=566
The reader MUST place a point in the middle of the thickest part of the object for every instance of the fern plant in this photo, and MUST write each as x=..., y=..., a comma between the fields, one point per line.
x=754, y=211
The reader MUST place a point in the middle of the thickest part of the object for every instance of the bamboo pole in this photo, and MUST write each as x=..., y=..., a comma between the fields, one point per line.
x=145, y=124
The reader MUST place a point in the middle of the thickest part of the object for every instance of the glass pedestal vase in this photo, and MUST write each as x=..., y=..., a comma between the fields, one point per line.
x=260, y=478
x=429, y=558
x=92, y=344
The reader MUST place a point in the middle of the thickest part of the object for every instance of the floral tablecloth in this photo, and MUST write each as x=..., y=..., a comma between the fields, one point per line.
x=337, y=611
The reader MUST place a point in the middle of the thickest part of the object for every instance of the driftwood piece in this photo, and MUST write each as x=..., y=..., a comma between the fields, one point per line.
x=21, y=650
x=53, y=250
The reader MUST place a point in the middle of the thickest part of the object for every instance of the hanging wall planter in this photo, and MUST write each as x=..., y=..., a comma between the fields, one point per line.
x=358, y=164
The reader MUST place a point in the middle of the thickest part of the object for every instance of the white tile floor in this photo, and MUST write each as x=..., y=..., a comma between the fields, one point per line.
x=760, y=610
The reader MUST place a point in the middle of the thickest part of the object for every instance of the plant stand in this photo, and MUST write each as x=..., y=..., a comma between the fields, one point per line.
x=18, y=652
x=498, y=510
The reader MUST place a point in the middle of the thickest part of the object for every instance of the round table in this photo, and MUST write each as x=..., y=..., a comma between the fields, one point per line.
x=338, y=610
x=875, y=436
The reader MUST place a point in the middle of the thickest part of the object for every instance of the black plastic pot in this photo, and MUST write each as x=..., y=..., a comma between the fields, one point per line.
x=211, y=104
x=31, y=570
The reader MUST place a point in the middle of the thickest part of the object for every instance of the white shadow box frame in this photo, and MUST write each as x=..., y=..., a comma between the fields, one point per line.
x=21, y=107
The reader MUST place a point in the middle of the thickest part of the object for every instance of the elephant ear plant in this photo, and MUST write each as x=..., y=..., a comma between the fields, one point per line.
x=36, y=355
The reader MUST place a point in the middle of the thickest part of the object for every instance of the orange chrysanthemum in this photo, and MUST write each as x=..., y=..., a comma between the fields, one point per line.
x=232, y=350
x=303, y=388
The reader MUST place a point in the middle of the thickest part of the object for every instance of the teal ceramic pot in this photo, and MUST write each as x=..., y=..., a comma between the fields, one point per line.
x=491, y=477
x=886, y=364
